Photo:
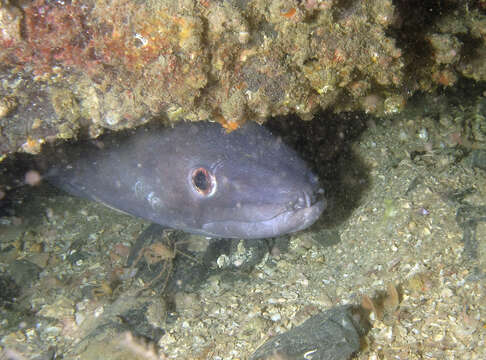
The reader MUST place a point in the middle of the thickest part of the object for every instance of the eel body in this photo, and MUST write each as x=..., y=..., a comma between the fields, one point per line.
x=196, y=177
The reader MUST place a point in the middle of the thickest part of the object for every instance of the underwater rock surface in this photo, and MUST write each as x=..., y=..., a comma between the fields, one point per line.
x=88, y=66
x=331, y=335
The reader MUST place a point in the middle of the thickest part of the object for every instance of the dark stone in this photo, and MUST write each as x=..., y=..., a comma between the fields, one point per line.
x=468, y=217
x=24, y=272
x=478, y=159
x=136, y=322
x=331, y=335
x=9, y=290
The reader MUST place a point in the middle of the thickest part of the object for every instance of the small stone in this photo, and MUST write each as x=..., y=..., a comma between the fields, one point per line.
x=331, y=335
x=7, y=104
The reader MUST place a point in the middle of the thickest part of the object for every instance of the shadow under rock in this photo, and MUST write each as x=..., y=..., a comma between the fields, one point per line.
x=326, y=144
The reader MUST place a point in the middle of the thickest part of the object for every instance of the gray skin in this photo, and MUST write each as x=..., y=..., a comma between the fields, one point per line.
x=198, y=178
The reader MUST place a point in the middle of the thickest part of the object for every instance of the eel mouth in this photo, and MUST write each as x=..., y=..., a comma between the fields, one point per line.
x=289, y=221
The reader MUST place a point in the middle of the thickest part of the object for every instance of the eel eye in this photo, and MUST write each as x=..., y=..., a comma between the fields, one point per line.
x=203, y=181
